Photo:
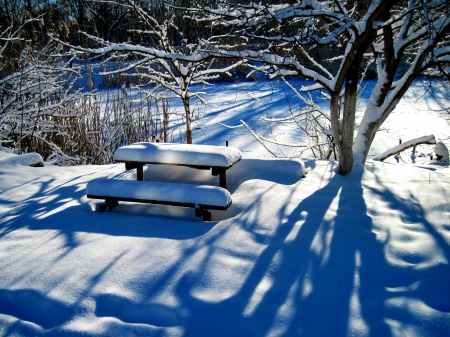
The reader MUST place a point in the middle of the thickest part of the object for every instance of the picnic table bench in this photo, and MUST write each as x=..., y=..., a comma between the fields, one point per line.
x=201, y=197
x=204, y=157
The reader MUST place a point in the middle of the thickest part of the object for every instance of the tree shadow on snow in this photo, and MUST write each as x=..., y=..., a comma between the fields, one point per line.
x=50, y=207
x=321, y=271
x=30, y=308
x=320, y=285
x=421, y=272
x=333, y=276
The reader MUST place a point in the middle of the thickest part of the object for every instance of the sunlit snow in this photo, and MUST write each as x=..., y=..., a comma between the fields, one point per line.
x=324, y=255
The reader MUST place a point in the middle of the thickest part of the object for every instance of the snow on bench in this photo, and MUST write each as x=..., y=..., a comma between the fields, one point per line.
x=200, y=197
x=217, y=158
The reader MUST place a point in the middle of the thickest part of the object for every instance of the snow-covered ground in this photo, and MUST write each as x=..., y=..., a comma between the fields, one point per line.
x=324, y=255
x=416, y=115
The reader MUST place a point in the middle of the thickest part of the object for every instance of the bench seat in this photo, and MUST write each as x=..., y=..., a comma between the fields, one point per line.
x=200, y=197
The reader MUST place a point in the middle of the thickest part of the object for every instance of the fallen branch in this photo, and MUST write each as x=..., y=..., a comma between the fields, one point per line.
x=410, y=143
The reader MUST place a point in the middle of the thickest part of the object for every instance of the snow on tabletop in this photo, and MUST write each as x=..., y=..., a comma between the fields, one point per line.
x=179, y=154
x=159, y=191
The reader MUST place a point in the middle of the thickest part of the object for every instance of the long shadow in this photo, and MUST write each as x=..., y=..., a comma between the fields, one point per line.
x=322, y=282
x=414, y=276
x=49, y=208
x=330, y=269
x=148, y=312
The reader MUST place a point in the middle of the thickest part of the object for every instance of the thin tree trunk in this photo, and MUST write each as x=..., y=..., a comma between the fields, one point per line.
x=348, y=124
x=334, y=114
x=187, y=111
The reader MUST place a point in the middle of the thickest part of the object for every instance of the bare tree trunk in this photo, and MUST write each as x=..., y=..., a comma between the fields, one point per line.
x=165, y=120
x=348, y=124
x=187, y=111
x=334, y=114
x=370, y=124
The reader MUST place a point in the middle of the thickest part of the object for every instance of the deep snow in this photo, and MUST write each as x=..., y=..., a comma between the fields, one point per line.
x=324, y=255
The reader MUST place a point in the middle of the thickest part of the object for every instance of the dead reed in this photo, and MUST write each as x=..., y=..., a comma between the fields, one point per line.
x=93, y=127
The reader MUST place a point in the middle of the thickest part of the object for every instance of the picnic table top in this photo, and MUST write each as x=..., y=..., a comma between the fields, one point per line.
x=178, y=154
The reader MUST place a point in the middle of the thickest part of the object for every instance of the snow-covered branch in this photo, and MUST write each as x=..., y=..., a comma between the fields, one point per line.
x=162, y=60
x=336, y=47
x=406, y=145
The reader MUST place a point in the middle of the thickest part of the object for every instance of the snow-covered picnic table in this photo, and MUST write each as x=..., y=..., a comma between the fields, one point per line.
x=217, y=158
x=201, y=197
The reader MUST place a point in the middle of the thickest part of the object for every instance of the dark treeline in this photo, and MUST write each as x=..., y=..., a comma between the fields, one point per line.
x=73, y=20
x=70, y=21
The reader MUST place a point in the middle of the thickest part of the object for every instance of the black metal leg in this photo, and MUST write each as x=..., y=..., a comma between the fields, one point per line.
x=204, y=213
x=221, y=172
x=140, y=172
x=198, y=212
x=108, y=206
x=223, y=179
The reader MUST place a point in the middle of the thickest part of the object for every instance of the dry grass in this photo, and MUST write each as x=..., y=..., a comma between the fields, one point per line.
x=99, y=124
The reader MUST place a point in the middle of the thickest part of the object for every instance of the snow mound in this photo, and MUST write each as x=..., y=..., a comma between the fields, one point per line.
x=441, y=152
x=28, y=159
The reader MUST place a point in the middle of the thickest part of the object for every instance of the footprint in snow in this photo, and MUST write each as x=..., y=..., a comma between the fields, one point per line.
x=131, y=312
x=29, y=305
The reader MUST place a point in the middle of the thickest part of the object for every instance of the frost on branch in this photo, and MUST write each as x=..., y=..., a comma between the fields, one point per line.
x=169, y=59
x=35, y=99
x=310, y=119
x=336, y=46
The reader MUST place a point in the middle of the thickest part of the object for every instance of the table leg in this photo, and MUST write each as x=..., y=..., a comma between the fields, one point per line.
x=218, y=171
x=223, y=179
x=140, y=172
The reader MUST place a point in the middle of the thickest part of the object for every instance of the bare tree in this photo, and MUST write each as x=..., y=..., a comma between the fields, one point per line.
x=336, y=43
x=161, y=53
x=34, y=97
